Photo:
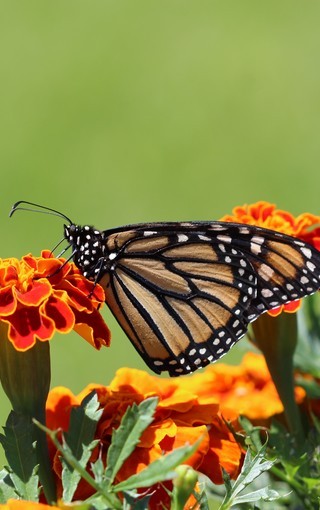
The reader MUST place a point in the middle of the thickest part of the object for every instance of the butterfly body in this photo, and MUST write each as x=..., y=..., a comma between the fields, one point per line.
x=184, y=293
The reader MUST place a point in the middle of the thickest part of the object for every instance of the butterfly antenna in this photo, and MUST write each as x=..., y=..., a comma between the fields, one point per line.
x=64, y=251
x=40, y=208
x=57, y=246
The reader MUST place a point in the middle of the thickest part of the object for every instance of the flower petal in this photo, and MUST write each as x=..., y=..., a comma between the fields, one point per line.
x=60, y=313
x=8, y=302
x=28, y=324
x=223, y=451
x=92, y=328
x=40, y=290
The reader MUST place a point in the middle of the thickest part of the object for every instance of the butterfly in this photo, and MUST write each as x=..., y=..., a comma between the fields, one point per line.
x=185, y=293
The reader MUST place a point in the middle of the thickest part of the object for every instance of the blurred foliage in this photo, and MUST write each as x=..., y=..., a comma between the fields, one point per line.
x=117, y=112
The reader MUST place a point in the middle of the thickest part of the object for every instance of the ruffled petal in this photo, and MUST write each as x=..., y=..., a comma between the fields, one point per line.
x=35, y=295
x=60, y=313
x=8, y=301
x=92, y=328
x=26, y=325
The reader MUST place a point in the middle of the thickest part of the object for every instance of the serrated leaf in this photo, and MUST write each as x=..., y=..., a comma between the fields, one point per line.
x=253, y=433
x=136, y=502
x=79, y=438
x=160, y=470
x=18, y=444
x=251, y=469
x=311, y=483
x=203, y=503
x=226, y=481
x=264, y=494
x=97, y=469
x=125, y=438
x=7, y=490
x=97, y=502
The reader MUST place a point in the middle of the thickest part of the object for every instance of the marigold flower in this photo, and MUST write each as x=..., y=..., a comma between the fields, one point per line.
x=41, y=295
x=18, y=504
x=181, y=417
x=306, y=227
x=246, y=389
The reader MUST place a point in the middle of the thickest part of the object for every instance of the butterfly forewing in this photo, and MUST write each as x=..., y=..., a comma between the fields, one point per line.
x=182, y=301
x=184, y=293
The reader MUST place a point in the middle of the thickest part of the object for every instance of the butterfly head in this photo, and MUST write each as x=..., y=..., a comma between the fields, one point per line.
x=88, y=248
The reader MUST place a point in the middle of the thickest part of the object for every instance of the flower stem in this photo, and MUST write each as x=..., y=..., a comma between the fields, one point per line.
x=277, y=338
x=25, y=377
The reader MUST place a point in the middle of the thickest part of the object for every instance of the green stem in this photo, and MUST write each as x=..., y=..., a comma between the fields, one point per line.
x=277, y=338
x=25, y=377
x=290, y=481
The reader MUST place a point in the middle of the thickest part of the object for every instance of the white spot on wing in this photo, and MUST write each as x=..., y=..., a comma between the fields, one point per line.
x=306, y=252
x=310, y=266
x=182, y=238
x=255, y=245
x=149, y=233
x=224, y=239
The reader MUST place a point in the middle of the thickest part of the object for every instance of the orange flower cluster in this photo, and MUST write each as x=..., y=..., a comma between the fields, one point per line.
x=246, y=389
x=41, y=295
x=306, y=227
x=182, y=416
x=15, y=504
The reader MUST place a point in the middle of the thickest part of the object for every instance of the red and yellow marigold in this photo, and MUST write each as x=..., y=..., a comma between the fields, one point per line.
x=42, y=295
x=246, y=389
x=182, y=416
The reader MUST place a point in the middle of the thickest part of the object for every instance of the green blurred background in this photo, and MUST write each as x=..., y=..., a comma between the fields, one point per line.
x=128, y=111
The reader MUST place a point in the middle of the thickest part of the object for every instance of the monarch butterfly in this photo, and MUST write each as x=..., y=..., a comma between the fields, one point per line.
x=184, y=293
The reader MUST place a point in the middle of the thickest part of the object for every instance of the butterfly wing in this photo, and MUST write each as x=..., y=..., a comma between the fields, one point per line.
x=185, y=293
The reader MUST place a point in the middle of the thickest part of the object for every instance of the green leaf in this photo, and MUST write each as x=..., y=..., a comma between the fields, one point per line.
x=251, y=469
x=7, y=489
x=264, y=494
x=160, y=470
x=227, y=482
x=202, y=500
x=126, y=437
x=98, y=502
x=253, y=433
x=97, y=469
x=19, y=447
x=136, y=502
x=79, y=438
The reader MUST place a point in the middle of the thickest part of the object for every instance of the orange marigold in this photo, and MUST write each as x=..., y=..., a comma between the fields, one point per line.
x=16, y=504
x=306, y=227
x=41, y=295
x=246, y=389
x=181, y=417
